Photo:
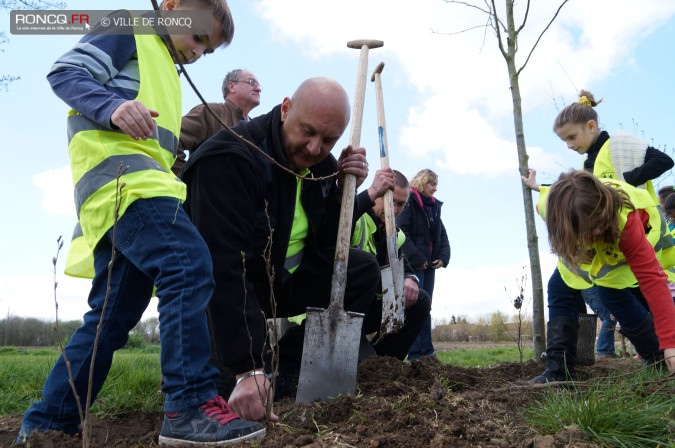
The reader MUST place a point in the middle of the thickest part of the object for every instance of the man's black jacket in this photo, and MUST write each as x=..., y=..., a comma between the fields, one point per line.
x=235, y=196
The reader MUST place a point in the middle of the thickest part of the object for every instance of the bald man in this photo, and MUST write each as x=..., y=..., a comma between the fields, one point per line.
x=236, y=195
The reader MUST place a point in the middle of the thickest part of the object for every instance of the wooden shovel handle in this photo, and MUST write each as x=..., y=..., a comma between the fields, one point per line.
x=339, y=279
x=389, y=218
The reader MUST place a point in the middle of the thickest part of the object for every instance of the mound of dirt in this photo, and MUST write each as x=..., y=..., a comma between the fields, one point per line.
x=419, y=404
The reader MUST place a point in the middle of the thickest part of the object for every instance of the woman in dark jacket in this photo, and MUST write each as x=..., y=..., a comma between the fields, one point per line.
x=427, y=247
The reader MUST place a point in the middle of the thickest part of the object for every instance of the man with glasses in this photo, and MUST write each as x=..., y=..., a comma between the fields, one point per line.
x=370, y=235
x=241, y=91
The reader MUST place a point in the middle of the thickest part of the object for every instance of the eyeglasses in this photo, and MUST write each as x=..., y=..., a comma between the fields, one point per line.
x=251, y=82
x=400, y=204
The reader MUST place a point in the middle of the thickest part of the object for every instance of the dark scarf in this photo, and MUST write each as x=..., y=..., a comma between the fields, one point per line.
x=593, y=151
x=430, y=209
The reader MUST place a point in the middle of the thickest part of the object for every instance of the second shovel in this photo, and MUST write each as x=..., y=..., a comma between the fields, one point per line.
x=393, y=300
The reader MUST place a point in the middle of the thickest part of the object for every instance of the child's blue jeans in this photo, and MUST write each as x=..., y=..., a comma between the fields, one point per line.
x=157, y=245
x=605, y=343
x=628, y=305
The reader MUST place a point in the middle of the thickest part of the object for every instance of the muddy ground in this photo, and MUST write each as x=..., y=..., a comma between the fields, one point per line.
x=419, y=404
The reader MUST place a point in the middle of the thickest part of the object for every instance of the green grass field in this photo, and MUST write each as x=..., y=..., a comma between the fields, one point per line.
x=133, y=382
x=484, y=357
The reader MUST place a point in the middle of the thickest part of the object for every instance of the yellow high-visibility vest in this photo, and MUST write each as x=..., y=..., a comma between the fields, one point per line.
x=362, y=238
x=96, y=153
x=608, y=266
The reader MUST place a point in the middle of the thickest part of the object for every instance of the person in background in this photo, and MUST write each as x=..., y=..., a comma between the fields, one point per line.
x=429, y=250
x=663, y=193
x=604, y=345
x=241, y=91
x=669, y=212
x=623, y=157
x=124, y=92
x=611, y=233
x=270, y=213
x=370, y=235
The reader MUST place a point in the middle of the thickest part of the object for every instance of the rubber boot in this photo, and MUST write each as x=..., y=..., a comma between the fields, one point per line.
x=561, y=349
x=646, y=342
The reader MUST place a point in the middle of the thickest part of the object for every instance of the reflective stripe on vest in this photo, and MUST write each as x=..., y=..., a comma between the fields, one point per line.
x=95, y=154
x=107, y=171
x=166, y=139
x=293, y=261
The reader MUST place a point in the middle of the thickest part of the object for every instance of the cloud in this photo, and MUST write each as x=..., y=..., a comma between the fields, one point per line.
x=57, y=190
x=482, y=290
x=463, y=100
x=33, y=295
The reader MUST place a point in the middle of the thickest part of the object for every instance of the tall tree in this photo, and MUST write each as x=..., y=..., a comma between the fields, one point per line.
x=8, y=5
x=507, y=38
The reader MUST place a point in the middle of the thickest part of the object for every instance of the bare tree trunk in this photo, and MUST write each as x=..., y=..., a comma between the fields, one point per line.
x=509, y=54
x=538, y=327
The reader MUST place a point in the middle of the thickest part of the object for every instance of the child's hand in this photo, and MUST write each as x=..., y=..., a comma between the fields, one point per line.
x=531, y=179
x=134, y=119
x=669, y=355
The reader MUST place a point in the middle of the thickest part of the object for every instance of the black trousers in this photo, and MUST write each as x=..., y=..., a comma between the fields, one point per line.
x=398, y=344
x=309, y=286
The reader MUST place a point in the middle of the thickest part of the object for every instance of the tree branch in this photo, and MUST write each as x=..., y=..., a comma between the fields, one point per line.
x=527, y=11
x=540, y=36
x=493, y=13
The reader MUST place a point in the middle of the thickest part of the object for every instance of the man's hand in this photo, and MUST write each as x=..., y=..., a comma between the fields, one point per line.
x=669, y=356
x=411, y=292
x=249, y=397
x=352, y=161
x=134, y=119
x=383, y=182
x=437, y=264
x=531, y=179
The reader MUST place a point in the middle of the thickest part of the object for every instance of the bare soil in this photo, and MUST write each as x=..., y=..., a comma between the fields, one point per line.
x=420, y=404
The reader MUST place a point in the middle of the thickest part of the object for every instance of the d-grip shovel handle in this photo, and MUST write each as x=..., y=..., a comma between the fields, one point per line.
x=339, y=279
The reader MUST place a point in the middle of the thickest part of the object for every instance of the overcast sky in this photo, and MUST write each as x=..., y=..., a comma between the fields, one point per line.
x=448, y=108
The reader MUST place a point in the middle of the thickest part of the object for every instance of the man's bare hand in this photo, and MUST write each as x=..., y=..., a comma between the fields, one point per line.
x=411, y=292
x=383, y=182
x=249, y=397
x=352, y=161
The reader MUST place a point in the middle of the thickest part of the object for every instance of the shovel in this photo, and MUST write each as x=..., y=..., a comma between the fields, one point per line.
x=393, y=300
x=332, y=336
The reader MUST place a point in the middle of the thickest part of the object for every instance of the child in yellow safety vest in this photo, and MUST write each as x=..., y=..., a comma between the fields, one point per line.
x=613, y=235
x=133, y=234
